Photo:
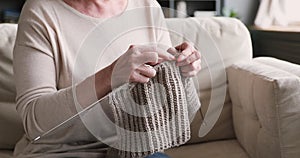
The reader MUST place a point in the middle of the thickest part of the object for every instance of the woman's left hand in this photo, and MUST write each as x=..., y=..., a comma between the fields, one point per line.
x=188, y=59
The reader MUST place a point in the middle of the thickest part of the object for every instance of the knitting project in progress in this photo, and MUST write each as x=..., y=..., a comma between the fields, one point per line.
x=154, y=116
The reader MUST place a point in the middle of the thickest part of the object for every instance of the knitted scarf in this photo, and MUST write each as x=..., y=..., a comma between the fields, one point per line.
x=154, y=116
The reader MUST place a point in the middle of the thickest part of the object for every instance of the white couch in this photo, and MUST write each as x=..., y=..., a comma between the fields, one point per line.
x=258, y=99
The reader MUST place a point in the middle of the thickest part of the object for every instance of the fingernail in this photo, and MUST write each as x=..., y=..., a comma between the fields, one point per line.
x=180, y=58
x=172, y=57
x=160, y=60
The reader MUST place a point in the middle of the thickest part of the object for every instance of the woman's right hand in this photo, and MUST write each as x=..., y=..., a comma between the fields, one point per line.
x=136, y=64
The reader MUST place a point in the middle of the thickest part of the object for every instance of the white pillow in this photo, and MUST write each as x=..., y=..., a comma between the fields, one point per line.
x=11, y=129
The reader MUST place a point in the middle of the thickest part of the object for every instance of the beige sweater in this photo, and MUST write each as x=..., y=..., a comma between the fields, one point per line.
x=52, y=58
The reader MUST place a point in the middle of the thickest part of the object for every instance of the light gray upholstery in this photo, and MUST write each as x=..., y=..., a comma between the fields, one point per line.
x=11, y=129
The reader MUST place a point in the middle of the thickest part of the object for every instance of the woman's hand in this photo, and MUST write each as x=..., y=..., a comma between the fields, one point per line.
x=188, y=59
x=136, y=65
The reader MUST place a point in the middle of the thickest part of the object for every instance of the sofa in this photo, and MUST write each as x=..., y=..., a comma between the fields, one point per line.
x=250, y=107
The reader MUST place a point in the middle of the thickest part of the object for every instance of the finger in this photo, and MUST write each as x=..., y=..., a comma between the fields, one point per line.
x=137, y=77
x=182, y=46
x=160, y=51
x=196, y=66
x=173, y=51
x=147, y=71
x=160, y=60
x=165, y=55
x=190, y=59
x=176, y=53
x=147, y=57
x=186, y=50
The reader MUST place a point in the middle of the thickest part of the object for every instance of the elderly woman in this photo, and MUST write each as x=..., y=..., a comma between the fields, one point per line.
x=49, y=37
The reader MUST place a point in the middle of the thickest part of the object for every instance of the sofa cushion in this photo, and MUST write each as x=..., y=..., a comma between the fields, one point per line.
x=216, y=149
x=280, y=64
x=222, y=42
x=7, y=88
x=10, y=124
x=266, y=109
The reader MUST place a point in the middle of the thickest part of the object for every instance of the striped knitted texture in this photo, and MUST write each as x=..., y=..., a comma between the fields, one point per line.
x=154, y=116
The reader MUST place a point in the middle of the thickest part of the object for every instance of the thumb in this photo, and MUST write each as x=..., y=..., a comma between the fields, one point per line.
x=173, y=51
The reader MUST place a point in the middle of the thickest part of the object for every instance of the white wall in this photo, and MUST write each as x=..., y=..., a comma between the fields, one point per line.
x=292, y=10
x=246, y=9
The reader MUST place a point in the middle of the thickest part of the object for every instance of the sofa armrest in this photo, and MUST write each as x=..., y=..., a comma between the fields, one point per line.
x=266, y=110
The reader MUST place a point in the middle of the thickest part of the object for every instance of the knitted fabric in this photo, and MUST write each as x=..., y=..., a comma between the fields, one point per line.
x=154, y=116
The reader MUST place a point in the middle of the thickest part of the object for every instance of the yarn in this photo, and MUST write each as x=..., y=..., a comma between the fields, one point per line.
x=154, y=116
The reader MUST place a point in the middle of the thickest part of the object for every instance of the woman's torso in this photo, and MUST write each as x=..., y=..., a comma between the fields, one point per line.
x=75, y=40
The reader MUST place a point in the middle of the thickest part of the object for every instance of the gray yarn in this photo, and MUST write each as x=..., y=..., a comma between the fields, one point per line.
x=156, y=115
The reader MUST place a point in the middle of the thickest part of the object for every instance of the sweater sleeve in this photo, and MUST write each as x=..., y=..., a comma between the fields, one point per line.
x=40, y=103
